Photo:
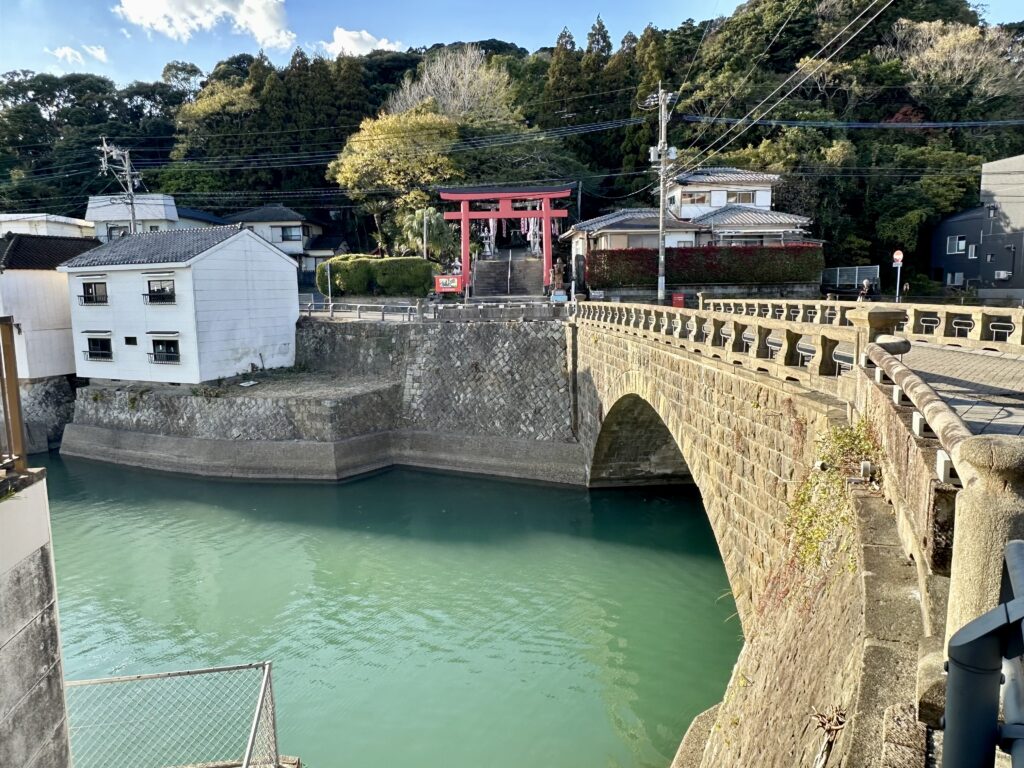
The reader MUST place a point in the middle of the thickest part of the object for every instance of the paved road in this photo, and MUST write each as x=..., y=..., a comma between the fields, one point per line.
x=985, y=388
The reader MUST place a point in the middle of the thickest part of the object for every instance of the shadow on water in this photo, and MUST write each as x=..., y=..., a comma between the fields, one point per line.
x=457, y=508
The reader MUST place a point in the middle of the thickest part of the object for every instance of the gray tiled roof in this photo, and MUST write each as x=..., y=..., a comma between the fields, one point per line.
x=725, y=175
x=748, y=215
x=197, y=215
x=631, y=219
x=20, y=251
x=168, y=247
x=271, y=212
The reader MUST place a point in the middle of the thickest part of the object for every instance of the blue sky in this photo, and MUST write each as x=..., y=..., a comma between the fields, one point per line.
x=132, y=39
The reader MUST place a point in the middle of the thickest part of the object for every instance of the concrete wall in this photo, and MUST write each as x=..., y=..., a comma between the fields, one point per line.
x=33, y=722
x=38, y=301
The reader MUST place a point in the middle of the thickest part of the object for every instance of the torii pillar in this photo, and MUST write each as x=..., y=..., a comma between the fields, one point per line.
x=504, y=197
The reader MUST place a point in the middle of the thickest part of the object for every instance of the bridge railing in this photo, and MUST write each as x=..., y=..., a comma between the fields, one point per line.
x=992, y=328
x=509, y=311
x=791, y=350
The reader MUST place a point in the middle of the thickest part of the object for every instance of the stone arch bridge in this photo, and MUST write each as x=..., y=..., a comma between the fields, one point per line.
x=735, y=396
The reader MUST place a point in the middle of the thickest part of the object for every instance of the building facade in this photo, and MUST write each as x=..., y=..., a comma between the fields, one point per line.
x=111, y=215
x=983, y=248
x=182, y=306
x=45, y=224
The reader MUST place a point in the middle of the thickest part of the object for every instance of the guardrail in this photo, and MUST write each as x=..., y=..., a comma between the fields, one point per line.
x=222, y=715
x=998, y=329
x=424, y=312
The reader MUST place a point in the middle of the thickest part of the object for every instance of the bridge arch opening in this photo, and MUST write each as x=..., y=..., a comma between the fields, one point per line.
x=635, y=447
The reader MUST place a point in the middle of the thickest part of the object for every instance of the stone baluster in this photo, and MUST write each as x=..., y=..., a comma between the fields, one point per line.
x=760, y=346
x=872, y=322
x=714, y=339
x=789, y=355
x=736, y=343
x=980, y=330
x=822, y=363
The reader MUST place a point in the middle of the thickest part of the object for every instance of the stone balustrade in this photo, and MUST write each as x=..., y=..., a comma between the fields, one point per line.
x=798, y=350
x=971, y=327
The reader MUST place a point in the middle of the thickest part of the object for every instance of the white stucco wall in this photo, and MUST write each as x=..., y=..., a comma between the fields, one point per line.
x=719, y=197
x=246, y=304
x=127, y=314
x=1001, y=184
x=38, y=301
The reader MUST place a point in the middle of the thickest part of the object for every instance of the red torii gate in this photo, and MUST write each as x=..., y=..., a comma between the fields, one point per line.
x=504, y=196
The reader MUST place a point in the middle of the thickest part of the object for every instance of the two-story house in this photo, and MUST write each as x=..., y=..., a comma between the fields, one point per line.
x=300, y=236
x=734, y=206
x=983, y=247
x=111, y=215
x=182, y=306
x=630, y=228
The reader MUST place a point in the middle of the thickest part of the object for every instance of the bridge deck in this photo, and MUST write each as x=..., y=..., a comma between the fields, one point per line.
x=985, y=388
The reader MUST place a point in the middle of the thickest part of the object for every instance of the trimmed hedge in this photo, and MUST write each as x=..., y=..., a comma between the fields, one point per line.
x=360, y=275
x=706, y=264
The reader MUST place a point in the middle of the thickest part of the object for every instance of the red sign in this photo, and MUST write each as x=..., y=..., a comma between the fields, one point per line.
x=447, y=283
x=897, y=257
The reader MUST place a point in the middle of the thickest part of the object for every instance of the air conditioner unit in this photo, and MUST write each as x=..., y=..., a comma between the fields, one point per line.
x=1002, y=274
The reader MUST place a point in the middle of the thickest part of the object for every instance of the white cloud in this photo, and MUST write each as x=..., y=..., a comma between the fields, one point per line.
x=265, y=20
x=98, y=52
x=67, y=54
x=357, y=43
x=126, y=33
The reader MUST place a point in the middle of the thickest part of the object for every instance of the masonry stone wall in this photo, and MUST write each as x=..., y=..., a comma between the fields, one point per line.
x=442, y=395
x=810, y=638
x=47, y=405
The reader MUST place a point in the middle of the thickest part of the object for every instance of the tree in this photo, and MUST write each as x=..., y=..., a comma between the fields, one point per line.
x=397, y=156
x=461, y=85
x=441, y=239
x=183, y=76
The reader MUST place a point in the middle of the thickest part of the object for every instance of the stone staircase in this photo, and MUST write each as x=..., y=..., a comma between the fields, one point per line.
x=493, y=279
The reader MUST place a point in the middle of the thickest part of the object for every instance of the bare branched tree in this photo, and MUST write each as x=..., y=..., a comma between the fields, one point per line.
x=462, y=85
x=985, y=61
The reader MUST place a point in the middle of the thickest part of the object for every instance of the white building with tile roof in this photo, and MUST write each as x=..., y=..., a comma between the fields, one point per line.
x=182, y=306
x=704, y=190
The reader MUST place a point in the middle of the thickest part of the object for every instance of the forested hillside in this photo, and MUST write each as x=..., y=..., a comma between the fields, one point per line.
x=248, y=132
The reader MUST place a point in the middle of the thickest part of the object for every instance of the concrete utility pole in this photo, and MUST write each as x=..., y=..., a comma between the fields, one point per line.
x=662, y=154
x=119, y=162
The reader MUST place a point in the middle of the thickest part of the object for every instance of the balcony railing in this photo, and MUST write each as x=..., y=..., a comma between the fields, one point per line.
x=165, y=358
x=158, y=298
x=87, y=299
x=98, y=354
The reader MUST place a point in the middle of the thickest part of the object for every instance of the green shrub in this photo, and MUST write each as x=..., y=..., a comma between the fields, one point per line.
x=358, y=274
x=405, y=276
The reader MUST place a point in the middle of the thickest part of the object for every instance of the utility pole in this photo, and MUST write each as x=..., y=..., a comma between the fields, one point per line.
x=662, y=154
x=119, y=162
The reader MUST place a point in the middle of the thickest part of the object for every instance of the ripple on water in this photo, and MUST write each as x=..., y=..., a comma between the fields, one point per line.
x=411, y=617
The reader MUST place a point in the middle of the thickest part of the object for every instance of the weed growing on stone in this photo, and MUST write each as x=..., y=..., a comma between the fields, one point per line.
x=207, y=391
x=820, y=514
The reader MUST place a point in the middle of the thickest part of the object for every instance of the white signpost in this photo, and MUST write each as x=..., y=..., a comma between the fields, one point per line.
x=897, y=263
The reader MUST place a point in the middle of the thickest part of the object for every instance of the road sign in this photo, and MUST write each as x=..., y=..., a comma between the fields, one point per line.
x=897, y=256
x=897, y=264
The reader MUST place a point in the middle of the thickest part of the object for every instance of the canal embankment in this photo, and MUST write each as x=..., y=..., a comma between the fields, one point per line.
x=363, y=396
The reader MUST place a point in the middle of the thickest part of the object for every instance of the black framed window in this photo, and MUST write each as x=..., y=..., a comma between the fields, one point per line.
x=160, y=292
x=99, y=349
x=291, y=234
x=131, y=341
x=165, y=351
x=93, y=293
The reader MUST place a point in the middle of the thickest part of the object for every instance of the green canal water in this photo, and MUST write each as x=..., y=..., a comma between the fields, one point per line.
x=412, y=618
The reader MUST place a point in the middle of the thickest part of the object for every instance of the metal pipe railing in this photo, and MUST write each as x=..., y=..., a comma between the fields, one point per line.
x=976, y=661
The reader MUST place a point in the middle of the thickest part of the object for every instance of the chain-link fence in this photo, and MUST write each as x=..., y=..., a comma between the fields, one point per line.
x=222, y=716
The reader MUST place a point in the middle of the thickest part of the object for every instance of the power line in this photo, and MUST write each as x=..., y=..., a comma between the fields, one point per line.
x=854, y=124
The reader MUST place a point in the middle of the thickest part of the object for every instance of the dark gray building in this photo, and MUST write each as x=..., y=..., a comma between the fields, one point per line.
x=983, y=248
